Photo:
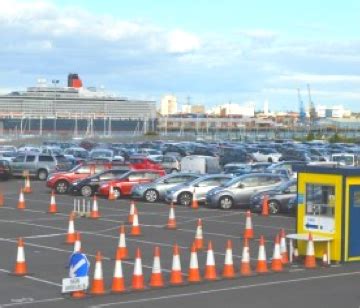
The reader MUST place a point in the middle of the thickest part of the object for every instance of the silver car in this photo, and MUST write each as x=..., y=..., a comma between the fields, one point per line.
x=238, y=191
x=183, y=194
x=155, y=191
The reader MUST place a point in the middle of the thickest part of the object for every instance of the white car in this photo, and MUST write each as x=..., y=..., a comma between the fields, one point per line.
x=267, y=155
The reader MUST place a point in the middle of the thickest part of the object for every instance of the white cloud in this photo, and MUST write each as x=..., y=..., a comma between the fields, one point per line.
x=182, y=42
x=319, y=78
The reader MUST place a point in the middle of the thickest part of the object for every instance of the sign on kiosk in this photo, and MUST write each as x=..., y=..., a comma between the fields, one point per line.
x=79, y=267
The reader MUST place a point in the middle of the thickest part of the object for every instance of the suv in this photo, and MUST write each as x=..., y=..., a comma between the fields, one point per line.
x=38, y=165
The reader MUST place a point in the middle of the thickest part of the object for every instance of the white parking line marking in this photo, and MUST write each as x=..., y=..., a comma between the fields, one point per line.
x=34, y=278
x=43, y=235
x=49, y=300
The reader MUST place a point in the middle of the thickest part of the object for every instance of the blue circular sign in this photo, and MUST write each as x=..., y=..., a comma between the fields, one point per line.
x=79, y=265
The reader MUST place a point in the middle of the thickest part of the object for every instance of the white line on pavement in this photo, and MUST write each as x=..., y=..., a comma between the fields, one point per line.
x=40, y=301
x=34, y=278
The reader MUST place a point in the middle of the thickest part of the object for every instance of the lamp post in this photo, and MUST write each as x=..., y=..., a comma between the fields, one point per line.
x=55, y=82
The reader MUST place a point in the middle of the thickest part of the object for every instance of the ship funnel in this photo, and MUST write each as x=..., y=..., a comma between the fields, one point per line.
x=74, y=81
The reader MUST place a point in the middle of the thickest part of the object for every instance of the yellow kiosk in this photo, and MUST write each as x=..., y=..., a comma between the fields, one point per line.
x=329, y=207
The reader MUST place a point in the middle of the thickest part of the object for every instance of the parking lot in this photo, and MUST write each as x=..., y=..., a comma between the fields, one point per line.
x=47, y=257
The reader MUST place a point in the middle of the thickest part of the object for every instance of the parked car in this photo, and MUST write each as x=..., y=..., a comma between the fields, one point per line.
x=155, y=191
x=123, y=186
x=237, y=192
x=5, y=171
x=77, y=153
x=235, y=155
x=240, y=169
x=105, y=153
x=278, y=198
x=168, y=162
x=266, y=155
x=139, y=162
x=174, y=149
x=38, y=165
x=288, y=165
x=183, y=194
x=200, y=164
x=295, y=154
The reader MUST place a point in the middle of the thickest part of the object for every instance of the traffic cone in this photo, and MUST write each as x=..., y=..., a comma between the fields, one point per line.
x=111, y=196
x=138, y=277
x=132, y=212
x=77, y=244
x=171, y=224
x=156, y=279
x=194, y=202
x=248, y=232
x=52, y=207
x=176, y=277
x=78, y=294
x=71, y=237
x=94, y=214
x=27, y=188
x=21, y=204
x=310, y=261
x=1, y=198
x=97, y=287
x=261, y=266
x=276, y=263
x=265, y=206
x=20, y=268
x=122, y=251
x=118, y=283
x=194, y=273
x=199, y=240
x=135, y=229
x=210, y=267
x=283, y=248
x=245, y=268
x=229, y=271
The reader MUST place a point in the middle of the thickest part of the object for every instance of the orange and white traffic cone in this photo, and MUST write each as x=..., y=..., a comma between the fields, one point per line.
x=27, y=188
x=94, y=214
x=261, y=266
x=276, y=263
x=1, y=198
x=283, y=248
x=111, y=196
x=194, y=202
x=176, y=277
x=210, y=267
x=135, y=229
x=194, y=272
x=21, y=204
x=199, y=240
x=156, y=279
x=229, y=270
x=118, y=282
x=132, y=212
x=71, y=237
x=52, y=207
x=20, y=268
x=138, y=277
x=265, y=206
x=310, y=261
x=245, y=268
x=98, y=287
x=122, y=252
x=77, y=244
x=171, y=224
x=249, y=231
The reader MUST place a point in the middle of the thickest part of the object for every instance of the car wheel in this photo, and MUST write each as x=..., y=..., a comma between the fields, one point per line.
x=274, y=207
x=86, y=191
x=226, y=203
x=42, y=174
x=185, y=199
x=61, y=187
x=270, y=160
x=151, y=195
x=117, y=193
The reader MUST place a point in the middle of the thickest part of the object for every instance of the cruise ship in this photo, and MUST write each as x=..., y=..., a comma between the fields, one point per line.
x=73, y=109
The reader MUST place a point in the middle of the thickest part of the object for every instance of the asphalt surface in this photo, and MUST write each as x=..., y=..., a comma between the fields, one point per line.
x=47, y=257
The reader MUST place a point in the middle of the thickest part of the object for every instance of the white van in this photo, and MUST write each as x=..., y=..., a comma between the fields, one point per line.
x=200, y=164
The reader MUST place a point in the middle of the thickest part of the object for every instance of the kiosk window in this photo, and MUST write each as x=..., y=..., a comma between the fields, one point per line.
x=320, y=200
x=356, y=199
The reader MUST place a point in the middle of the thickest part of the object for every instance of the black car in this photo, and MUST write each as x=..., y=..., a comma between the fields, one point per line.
x=88, y=186
x=278, y=198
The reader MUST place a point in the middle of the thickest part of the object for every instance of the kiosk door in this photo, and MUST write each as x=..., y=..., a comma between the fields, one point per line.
x=354, y=221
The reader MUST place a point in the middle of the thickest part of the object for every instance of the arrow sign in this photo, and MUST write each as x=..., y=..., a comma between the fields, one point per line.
x=79, y=265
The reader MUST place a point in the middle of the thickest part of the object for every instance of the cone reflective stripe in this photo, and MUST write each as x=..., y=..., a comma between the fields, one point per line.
x=248, y=232
x=261, y=266
x=283, y=248
x=138, y=277
x=135, y=229
x=131, y=213
x=71, y=237
x=20, y=268
x=194, y=273
x=265, y=206
x=118, y=283
x=245, y=268
x=194, y=202
x=52, y=207
x=310, y=261
x=229, y=271
x=21, y=204
x=77, y=244
x=27, y=187
x=122, y=251
x=111, y=196
x=199, y=241
x=210, y=268
x=156, y=279
x=94, y=214
x=171, y=225
x=98, y=287
x=176, y=277
x=276, y=263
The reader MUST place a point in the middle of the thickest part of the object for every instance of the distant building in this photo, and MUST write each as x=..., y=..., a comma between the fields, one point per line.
x=168, y=105
x=233, y=110
x=197, y=109
x=186, y=108
x=332, y=112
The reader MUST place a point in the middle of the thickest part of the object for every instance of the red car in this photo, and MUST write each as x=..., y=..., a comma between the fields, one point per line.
x=142, y=162
x=60, y=181
x=123, y=186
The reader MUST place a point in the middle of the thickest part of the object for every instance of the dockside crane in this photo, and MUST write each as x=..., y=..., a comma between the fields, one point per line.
x=302, y=113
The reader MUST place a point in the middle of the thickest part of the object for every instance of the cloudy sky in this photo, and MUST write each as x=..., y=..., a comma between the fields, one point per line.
x=210, y=51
